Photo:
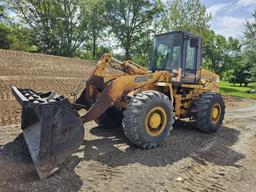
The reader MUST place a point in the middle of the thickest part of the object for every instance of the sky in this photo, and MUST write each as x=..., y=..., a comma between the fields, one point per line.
x=229, y=16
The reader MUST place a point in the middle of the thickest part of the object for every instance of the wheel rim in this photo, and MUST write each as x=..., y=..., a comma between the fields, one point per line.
x=215, y=113
x=156, y=121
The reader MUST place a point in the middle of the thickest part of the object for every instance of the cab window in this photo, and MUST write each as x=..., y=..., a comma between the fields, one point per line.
x=167, y=52
x=190, y=56
x=162, y=56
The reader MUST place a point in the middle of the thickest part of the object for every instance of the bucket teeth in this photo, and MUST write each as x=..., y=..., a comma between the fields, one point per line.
x=51, y=128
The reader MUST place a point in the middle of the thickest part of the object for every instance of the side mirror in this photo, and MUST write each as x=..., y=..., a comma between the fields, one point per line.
x=193, y=42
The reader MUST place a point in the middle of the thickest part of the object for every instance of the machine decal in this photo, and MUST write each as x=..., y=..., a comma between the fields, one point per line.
x=143, y=78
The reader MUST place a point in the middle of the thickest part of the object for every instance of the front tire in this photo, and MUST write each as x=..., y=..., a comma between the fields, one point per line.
x=208, y=111
x=148, y=119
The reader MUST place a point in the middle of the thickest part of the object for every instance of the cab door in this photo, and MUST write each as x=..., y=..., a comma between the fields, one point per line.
x=191, y=55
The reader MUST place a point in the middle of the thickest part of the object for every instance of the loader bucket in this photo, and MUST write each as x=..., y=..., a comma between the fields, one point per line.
x=51, y=128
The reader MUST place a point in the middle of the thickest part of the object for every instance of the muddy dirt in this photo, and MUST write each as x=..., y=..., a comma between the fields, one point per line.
x=187, y=161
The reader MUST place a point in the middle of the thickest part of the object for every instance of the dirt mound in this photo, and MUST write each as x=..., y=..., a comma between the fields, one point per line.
x=39, y=72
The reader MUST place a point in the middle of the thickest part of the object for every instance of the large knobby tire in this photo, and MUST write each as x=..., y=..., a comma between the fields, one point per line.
x=111, y=118
x=208, y=110
x=148, y=119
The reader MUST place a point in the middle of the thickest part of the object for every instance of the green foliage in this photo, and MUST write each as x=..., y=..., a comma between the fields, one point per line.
x=12, y=35
x=94, y=11
x=188, y=15
x=142, y=51
x=3, y=14
x=58, y=26
x=242, y=69
x=22, y=38
x=4, y=40
x=88, y=54
x=221, y=54
x=249, y=42
x=239, y=73
x=250, y=33
x=4, y=29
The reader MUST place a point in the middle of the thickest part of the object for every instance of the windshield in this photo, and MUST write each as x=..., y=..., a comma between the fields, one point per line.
x=167, y=52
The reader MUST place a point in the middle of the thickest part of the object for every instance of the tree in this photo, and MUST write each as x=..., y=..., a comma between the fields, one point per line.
x=130, y=20
x=22, y=38
x=249, y=42
x=95, y=11
x=142, y=51
x=188, y=15
x=4, y=41
x=249, y=39
x=243, y=71
x=3, y=14
x=239, y=73
x=4, y=28
x=13, y=35
x=59, y=27
x=221, y=54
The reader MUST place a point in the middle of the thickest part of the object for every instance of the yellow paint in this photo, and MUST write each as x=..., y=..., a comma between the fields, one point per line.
x=156, y=121
x=215, y=113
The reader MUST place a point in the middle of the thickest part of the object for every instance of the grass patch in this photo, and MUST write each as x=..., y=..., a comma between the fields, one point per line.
x=229, y=89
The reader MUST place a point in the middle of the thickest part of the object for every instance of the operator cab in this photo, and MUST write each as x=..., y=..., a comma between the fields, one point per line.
x=177, y=50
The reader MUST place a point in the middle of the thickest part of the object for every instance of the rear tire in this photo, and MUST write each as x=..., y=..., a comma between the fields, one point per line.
x=208, y=111
x=148, y=119
x=111, y=118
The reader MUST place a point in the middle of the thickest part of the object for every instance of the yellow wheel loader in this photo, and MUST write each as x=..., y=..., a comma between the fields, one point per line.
x=143, y=101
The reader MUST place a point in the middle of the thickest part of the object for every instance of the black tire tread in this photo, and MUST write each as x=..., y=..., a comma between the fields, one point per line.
x=200, y=111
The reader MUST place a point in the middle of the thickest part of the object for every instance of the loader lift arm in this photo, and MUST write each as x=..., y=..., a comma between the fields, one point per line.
x=104, y=90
